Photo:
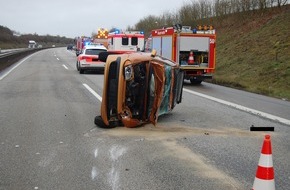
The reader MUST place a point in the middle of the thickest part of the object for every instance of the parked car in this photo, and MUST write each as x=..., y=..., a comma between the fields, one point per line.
x=138, y=88
x=88, y=59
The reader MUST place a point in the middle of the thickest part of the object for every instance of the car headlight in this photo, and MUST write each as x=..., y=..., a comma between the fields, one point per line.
x=128, y=72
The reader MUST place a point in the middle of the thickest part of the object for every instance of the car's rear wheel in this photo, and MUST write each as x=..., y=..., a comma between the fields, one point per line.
x=78, y=66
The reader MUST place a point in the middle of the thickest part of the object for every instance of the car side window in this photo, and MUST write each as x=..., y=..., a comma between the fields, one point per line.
x=125, y=41
x=134, y=41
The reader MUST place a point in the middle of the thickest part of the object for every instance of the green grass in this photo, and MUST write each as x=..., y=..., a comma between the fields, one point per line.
x=254, y=54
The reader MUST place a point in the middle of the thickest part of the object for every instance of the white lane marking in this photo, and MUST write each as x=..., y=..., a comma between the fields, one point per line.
x=65, y=67
x=2, y=77
x=57, y=58
x=96, y=153
x=93, y=92
x=237, y=106
x=94, y=174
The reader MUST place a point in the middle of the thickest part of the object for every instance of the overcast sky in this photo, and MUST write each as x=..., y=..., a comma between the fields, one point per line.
x=73, y=18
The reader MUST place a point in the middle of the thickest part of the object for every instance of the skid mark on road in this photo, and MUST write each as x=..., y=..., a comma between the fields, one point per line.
x=199, y=163
x=114, y=178
x=114, y=162
x=167, y=136
x=168, y=131
x=117, y=151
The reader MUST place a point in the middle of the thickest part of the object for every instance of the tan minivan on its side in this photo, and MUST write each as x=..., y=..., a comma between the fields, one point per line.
x=138, y=87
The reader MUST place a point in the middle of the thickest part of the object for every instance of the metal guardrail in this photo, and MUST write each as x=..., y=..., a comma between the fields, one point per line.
x=8, y=52
x=10, y=56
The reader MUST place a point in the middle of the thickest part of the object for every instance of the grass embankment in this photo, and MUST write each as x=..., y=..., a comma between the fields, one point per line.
x=253, y=52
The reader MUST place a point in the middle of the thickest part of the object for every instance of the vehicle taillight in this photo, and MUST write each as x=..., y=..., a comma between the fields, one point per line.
x=88, y=59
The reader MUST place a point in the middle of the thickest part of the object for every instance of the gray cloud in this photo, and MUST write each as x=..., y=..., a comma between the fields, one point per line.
x=73, y=18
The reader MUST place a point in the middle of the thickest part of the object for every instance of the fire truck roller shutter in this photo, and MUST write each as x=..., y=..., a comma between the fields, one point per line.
x=194, y=43
x=156, y=44
x=167, y=42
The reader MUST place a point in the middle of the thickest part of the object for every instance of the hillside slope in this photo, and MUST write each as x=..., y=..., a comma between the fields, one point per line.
x=253, y=51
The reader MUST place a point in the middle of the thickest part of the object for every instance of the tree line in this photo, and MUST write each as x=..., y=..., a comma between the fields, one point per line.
x=196, y=11
x=11, y=39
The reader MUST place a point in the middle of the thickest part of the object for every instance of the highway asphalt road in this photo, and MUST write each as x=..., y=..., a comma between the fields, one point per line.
x=48, y=139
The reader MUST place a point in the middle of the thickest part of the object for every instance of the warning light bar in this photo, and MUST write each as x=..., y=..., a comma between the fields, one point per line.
x=205, y=29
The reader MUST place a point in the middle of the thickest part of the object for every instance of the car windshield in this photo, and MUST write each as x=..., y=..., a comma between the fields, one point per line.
x=94, y=51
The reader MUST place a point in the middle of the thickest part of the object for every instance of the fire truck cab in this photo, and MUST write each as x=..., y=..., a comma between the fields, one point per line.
x=128, y=41
x=193, y=49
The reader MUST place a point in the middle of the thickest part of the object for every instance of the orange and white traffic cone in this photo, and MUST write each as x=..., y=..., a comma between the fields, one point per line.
x=190, y=58
x=264, y=179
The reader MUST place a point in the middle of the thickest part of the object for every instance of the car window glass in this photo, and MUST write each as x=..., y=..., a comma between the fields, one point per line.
x=94, y=51
x=151, y=91
x=164, y=108
x=134, y=41
x=125, y=41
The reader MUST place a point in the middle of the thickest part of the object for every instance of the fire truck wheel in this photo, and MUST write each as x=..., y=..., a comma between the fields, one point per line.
x=195, y=81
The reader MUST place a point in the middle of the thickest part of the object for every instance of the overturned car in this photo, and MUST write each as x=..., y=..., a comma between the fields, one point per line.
x=138, y=87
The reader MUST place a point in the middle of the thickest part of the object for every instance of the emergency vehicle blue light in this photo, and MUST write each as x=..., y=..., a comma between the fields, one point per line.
x=87, y=43
x=194, y=30
x=117, y=31
x=141, y=32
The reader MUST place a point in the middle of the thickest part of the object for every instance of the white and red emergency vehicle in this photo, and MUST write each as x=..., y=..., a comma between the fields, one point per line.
x=193, y=49
x=128, y=41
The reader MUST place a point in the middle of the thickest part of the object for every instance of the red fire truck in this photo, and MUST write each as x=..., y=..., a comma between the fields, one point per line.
x=194, y=49
x=81, y=42
x=127, y=41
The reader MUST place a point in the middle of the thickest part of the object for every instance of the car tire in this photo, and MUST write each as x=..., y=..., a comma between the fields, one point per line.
x=78, y=66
